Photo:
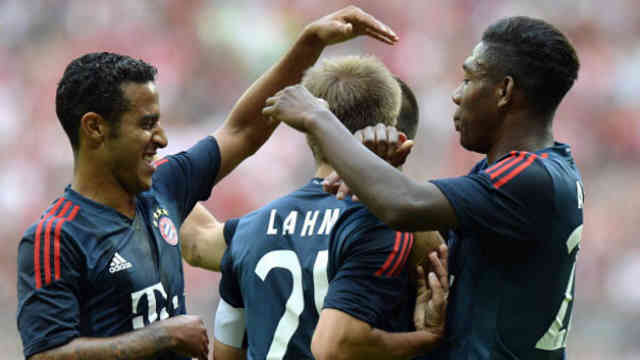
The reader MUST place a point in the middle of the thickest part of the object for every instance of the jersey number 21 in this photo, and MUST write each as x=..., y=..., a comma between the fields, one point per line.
x=287, y=259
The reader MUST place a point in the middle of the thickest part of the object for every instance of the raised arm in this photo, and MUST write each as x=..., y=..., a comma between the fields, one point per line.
x=202, y=239
x=394, y=198
x=245, y=130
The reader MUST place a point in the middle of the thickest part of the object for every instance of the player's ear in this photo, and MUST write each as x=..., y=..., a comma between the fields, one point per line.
x=93, y=129
x=504, y=91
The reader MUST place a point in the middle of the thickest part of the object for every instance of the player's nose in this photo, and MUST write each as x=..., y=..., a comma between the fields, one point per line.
x=160, y=138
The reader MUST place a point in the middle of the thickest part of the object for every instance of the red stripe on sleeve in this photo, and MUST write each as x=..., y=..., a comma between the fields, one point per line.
x=391, y=256
x=545, y=155
x=493, y=167
x=36, y=245
x=160, y=162
x=47, y=242
x=515, y=171
x=56, y=241
x=402, y=257
x=517, y=160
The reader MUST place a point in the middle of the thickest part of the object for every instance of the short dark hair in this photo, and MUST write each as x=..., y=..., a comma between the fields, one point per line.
x=538, y=56
x=92, y=83
x=409, y=111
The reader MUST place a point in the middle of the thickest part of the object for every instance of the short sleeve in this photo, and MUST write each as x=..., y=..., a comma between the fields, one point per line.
x=503, y=202
x=229, y=327
x=229, y=286
x=370, y=273
x=229, y=230
x=48, y=307
x=188, y=177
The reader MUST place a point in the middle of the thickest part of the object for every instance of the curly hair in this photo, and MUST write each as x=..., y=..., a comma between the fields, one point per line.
x=541, y=60
x=92, y=83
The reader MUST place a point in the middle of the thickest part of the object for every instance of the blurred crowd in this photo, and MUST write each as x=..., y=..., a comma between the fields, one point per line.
x=209, y=52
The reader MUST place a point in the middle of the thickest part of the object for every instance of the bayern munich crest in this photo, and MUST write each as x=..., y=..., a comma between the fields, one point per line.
x=168, y=230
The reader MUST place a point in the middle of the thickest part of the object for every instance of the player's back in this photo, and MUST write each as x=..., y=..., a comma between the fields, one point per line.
x=276, y=268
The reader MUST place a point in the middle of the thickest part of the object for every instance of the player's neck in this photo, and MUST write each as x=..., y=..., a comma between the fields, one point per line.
x=323, y=170
x=522, y=134
x=94, y=183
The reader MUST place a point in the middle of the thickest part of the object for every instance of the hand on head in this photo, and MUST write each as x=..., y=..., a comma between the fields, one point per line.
x=386, y=142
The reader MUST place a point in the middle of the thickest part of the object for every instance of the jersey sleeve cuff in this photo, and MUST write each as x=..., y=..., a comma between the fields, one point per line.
x=50, y=342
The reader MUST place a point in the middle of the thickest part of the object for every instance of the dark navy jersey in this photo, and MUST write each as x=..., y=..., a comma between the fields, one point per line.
x=280, y=267
x=85, y=270
x=512, y=257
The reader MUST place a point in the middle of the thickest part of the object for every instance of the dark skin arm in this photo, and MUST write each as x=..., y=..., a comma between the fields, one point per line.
x=396, y=199
x=184, y=335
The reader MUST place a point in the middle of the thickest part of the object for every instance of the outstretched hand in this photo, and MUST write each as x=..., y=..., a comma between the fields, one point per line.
x=432, y=293
x=348, y=23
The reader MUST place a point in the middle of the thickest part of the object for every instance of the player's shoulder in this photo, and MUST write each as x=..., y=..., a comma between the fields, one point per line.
x=519, y=171
x=355, y=219
x=59, y=219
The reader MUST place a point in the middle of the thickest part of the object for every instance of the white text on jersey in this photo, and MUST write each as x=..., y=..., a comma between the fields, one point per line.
x=308, y=227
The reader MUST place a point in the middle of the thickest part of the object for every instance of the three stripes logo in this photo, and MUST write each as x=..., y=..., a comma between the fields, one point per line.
x=509, y=167
x=118, y=263
x=50, y=226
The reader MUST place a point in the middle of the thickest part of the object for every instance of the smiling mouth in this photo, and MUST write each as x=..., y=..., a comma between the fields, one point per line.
x=148, y=158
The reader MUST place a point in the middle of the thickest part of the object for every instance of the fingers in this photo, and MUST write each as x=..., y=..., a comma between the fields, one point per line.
x=440, y=272
x=399, y=157
x=380, y=143
x=331, y=183
x=437, y=293
x=443, y=254
x=421, y=280
x=343, y=191
x=370, y=25
x=369, y=138
x=383, y=141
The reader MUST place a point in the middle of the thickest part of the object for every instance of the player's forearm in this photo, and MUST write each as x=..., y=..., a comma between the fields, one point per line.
x=139, y=344
x=246, y=117
x=394, y=198
x=374, y=344
x=407, y=344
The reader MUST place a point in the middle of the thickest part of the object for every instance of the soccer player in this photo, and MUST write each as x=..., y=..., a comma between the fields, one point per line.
x=202, y=236
x=515, y=219
x=285, y=258
x=100, y=274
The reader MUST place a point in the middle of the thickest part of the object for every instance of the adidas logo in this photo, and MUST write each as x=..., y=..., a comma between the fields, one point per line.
x=118, y=263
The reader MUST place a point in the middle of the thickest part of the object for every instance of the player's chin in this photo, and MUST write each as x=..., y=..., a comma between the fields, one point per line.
x=145, y=182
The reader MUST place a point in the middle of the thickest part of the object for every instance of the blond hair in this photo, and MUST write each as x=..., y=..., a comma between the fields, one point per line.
x=360, y=91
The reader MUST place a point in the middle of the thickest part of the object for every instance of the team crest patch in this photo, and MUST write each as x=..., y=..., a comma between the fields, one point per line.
x=168, y=230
